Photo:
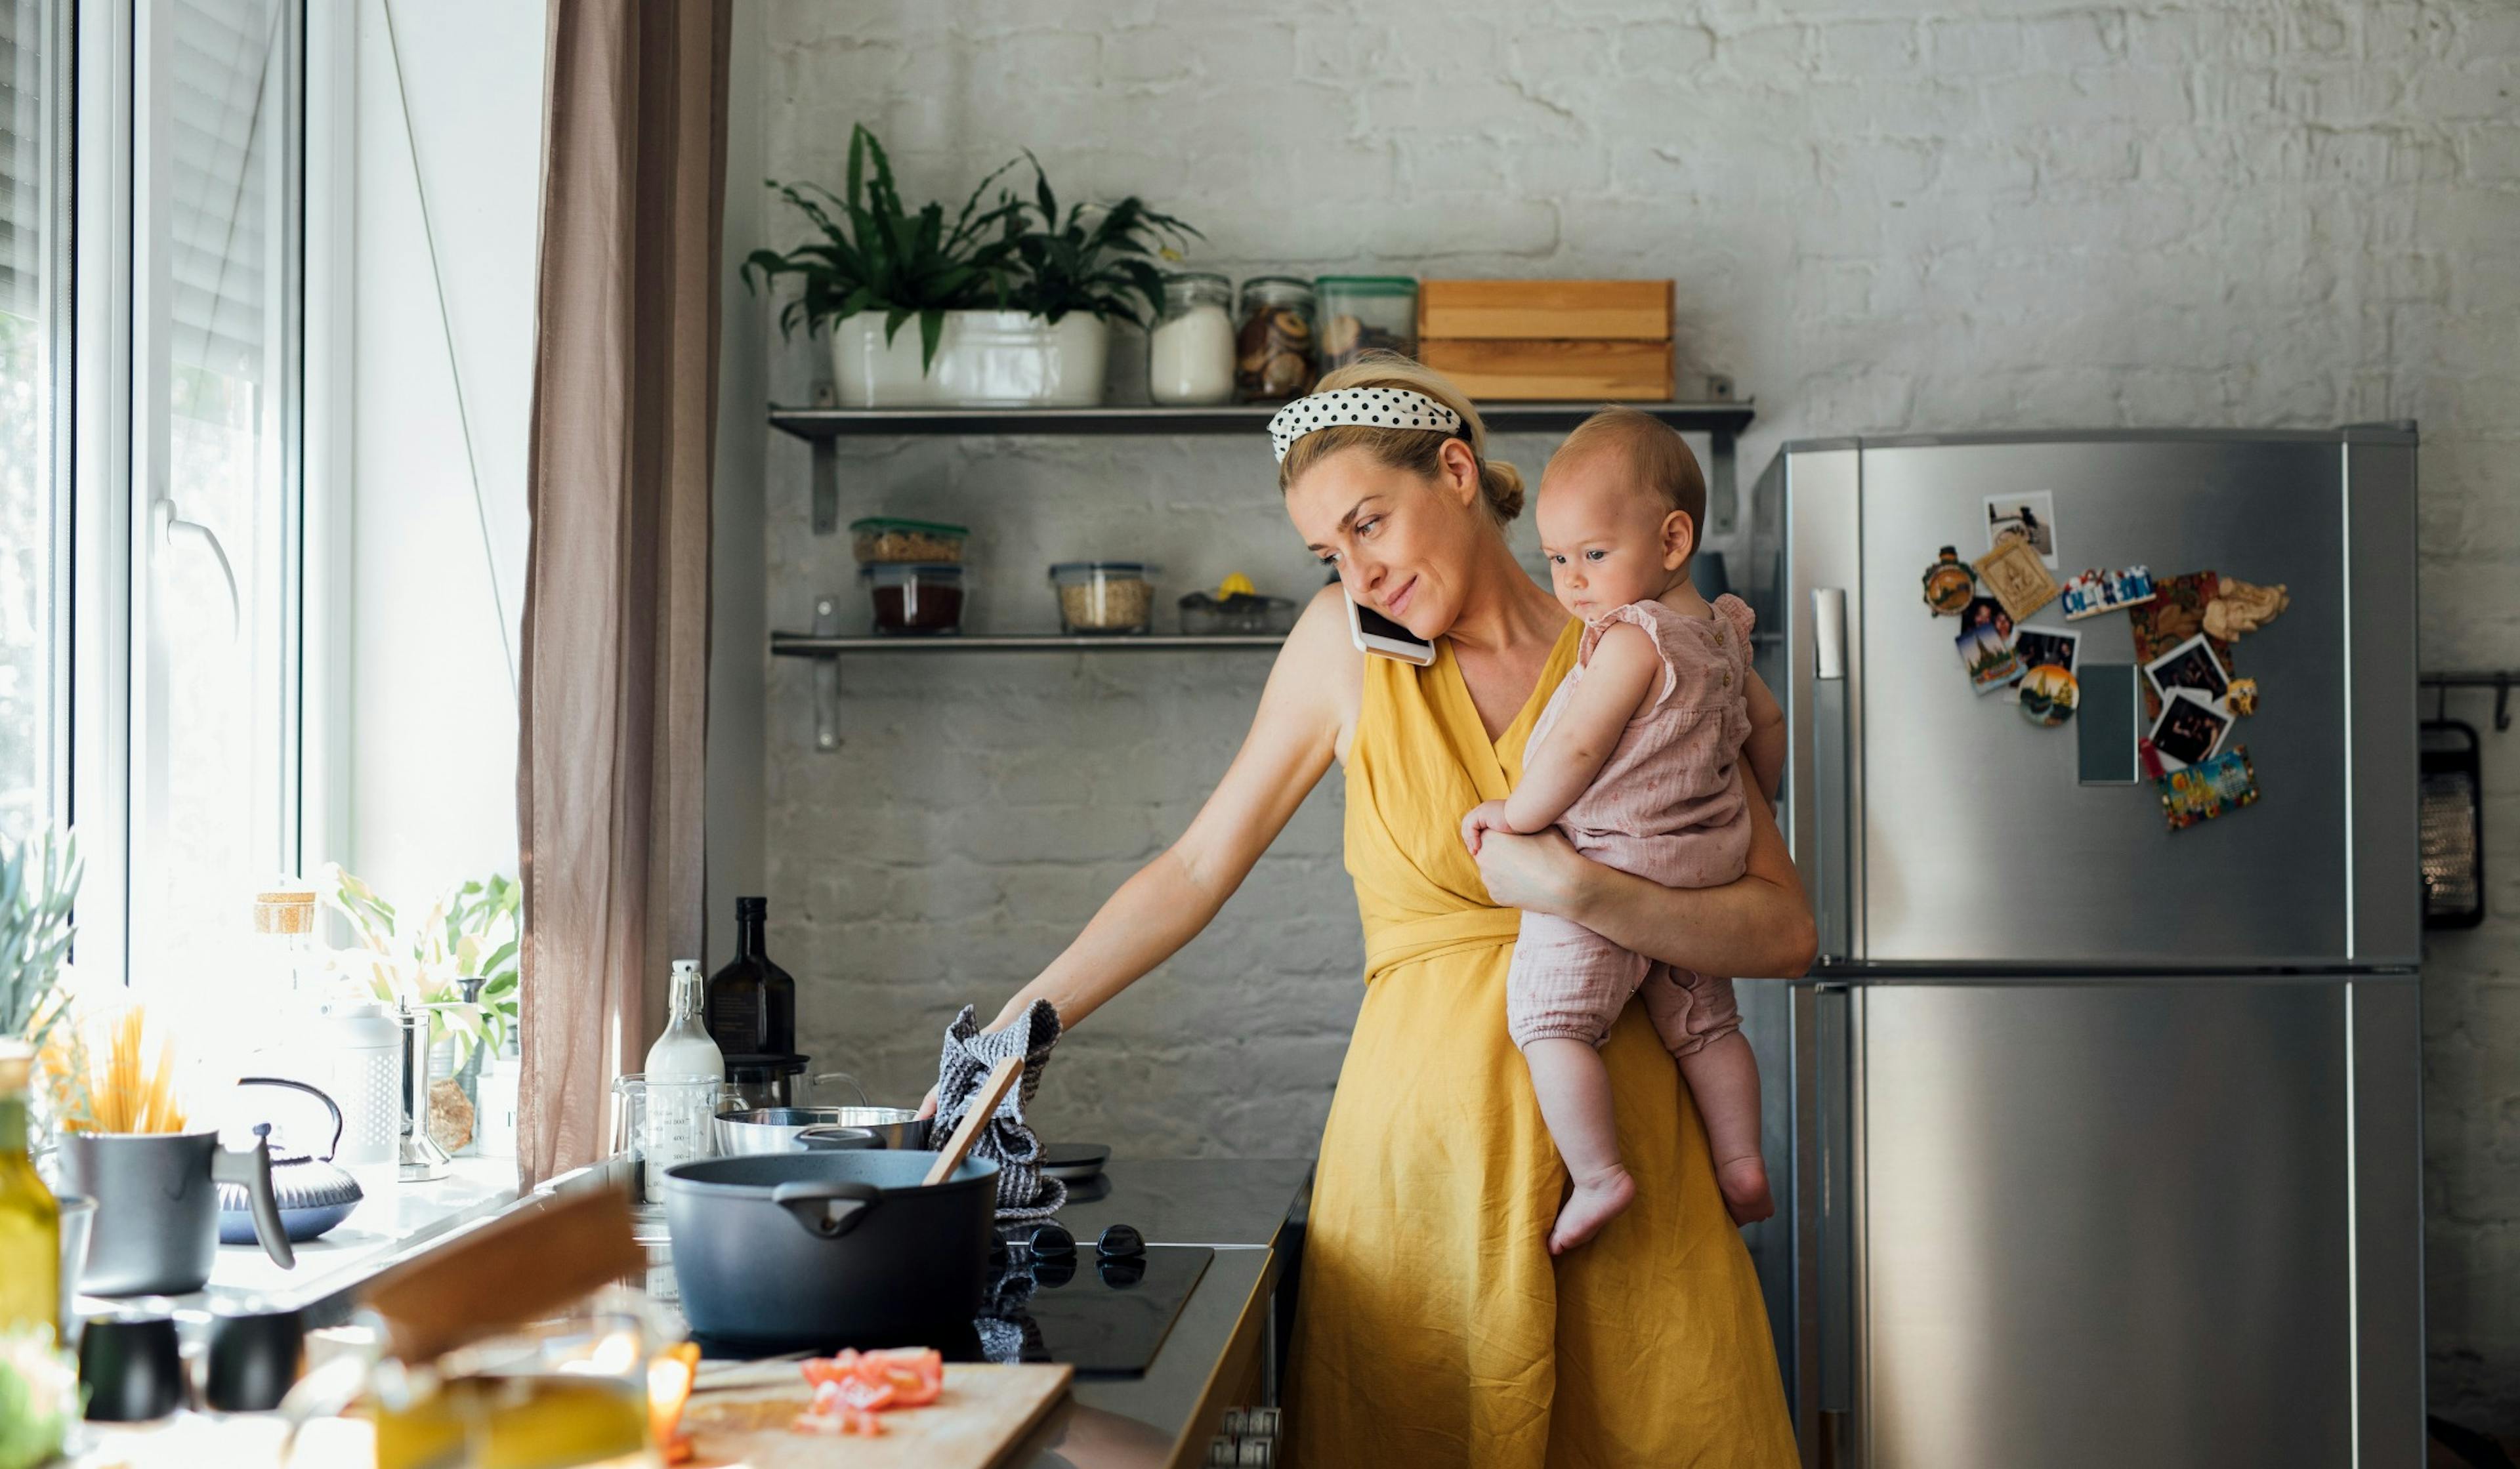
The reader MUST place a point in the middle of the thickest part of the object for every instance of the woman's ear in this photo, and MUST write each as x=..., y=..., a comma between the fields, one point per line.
x=1461, y=472
x=1679, y=539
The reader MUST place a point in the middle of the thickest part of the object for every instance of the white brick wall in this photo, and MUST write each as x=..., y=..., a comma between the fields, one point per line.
x=1882, y=215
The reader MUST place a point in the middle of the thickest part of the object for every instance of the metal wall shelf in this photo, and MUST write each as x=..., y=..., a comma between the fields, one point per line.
x=811, y=646
x=1721, y=421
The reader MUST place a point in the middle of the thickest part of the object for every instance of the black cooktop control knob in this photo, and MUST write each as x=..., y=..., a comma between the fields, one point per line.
x=1120, y=1242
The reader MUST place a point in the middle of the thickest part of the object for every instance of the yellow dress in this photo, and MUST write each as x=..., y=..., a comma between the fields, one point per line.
x=1434, y=1328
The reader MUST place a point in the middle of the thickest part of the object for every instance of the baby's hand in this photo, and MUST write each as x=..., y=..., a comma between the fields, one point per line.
x=1484, y=817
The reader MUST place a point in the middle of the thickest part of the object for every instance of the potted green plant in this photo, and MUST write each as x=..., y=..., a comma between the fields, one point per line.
x=472, y=933
x=878, y=267
x=39, y=882
x=1069, y=277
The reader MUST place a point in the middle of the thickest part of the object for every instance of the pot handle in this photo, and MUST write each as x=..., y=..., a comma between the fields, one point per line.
x=317, y=1092
x=251, y=1168
x=827, y=1210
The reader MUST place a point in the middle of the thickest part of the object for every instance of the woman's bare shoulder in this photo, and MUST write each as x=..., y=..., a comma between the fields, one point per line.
x=1329, y=670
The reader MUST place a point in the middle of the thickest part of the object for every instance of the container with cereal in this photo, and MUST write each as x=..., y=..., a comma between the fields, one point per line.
x=1104, y=597
x=887, y=541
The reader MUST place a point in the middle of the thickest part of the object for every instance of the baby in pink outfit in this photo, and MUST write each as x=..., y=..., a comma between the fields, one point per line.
x=1639, y=759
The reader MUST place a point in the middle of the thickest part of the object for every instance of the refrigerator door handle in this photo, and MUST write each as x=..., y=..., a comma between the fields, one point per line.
x=1831, y=797
x=1825, y=1169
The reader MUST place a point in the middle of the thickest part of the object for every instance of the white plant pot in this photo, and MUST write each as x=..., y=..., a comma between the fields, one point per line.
x=867, y=372
x=1008, y=359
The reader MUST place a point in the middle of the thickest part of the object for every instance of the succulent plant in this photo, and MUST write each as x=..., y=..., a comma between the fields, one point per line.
x=39, y=882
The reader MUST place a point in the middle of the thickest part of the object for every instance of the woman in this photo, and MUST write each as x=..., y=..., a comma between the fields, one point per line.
x=1434, y=1327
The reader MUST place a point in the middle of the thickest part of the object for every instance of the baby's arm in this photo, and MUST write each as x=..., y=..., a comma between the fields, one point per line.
x=1764, y=750
x=1624, y=675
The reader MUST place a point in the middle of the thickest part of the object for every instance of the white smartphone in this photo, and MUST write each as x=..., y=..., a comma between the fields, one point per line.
x=1373, y=633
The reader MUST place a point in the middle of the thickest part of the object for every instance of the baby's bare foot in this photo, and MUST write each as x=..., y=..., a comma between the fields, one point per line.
x=1596, y=1202
x=1744, y=1182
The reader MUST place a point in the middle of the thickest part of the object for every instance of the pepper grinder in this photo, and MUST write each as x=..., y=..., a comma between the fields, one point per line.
x=422, y=1160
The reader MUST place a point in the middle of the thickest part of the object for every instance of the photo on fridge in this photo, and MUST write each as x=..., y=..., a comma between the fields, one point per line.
x=2190, y=666
x=2189, y=730
x=2031, y=516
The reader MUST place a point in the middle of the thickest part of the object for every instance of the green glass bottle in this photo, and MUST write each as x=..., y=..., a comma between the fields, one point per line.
x=30, y=1223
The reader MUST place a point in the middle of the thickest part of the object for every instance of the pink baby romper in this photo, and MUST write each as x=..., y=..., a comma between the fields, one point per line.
x=1669, y=806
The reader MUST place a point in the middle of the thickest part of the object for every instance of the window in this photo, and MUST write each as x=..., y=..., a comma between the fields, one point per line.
x=214, y=752
x=34, y=334
x=150, y=267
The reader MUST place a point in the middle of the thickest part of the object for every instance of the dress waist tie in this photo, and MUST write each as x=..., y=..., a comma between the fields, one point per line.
x=1388, y=946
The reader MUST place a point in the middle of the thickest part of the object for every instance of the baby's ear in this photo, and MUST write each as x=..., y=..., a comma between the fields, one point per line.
x=1679, y=539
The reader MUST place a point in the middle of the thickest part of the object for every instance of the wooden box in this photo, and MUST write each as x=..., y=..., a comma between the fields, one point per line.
x=1549, y=340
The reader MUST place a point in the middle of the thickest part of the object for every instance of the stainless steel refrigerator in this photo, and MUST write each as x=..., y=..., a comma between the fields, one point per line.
x=2096, y=1141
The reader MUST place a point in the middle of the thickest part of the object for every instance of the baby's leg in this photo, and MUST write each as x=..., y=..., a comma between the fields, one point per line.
x=1565, y=986
x=1697, y=1018
x=1724, y=1077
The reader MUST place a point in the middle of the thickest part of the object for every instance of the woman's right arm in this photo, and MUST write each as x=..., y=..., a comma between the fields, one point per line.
x=1166, y=903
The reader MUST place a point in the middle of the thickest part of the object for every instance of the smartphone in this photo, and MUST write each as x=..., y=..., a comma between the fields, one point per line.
x=1373, y=633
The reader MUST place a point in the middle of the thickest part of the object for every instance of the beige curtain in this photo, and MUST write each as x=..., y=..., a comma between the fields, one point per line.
x=614, y=676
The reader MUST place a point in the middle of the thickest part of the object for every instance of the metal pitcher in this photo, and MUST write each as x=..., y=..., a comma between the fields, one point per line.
x=156, y=1195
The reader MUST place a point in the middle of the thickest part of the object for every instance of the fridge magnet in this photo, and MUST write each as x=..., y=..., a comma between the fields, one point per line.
x=2191, y=665
x=1988, y=656
x=2047, y=647
x=2242, y=697
x=2202, y=792
x=2189, y=731
x=2014, y=572
x=2241, y=606
x=2095, y=592
x=2048, y=694
x=1948, y=584
x=2032, y=518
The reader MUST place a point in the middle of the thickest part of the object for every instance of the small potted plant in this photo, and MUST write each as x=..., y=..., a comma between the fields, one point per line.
x=39, y=882
x=877, y=268
x=1070, y=277
x=458, y=963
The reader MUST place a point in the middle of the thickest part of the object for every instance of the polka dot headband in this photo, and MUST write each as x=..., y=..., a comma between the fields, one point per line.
x=1374, y=407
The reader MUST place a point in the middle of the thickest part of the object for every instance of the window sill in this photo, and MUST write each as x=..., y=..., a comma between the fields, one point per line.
x=395, y=1222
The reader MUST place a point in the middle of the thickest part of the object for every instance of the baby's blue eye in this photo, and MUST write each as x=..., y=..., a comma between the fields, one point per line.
x=1595, y=555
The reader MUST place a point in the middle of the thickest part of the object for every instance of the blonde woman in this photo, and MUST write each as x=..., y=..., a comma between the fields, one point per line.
x=1434, y=1326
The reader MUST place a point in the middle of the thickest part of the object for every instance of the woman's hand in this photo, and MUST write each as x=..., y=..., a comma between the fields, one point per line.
x=927, y=1103
x=1538, y=873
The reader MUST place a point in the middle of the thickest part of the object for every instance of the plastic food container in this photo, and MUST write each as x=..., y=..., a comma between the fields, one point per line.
x=882, y=540
x=915, y=600
x=1206, y=614
x=1190, y=353
x=1363, y=314
x=1104, y=597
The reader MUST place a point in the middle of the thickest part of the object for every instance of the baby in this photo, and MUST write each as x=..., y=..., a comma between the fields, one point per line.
x=1638, y=759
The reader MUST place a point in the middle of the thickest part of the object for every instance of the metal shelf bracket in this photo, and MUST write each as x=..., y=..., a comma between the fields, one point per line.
x=827, y=672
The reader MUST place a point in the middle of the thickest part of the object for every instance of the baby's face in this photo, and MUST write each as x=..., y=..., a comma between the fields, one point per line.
x=1609, y=542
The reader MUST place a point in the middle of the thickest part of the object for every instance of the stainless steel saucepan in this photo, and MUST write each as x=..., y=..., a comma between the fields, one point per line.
x=774, y=1129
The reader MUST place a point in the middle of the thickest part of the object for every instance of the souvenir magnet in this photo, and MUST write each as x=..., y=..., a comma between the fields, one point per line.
x=2241, y=699
x=2202, y=792
x=2032, y=518
x=2014, y=572
x=2176, y=613
x=1986, y=655
x=2049, y=695
x=2189, y=731
x=1949, y=585
x=2150, y=758
x=2241, y=606
x=2095, y=592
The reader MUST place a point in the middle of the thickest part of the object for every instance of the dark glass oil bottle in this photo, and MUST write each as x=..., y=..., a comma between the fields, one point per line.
x=750, y=1005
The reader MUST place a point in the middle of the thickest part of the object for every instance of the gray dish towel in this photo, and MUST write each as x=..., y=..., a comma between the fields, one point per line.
x=971, y=1054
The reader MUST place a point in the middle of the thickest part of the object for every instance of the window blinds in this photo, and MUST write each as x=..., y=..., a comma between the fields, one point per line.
x=221, y=78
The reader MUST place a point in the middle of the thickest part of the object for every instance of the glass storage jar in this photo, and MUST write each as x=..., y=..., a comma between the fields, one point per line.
x=887, y=539
x=1363, y=314
x=1276, y=352
x=1190, y=353
x=1104, y=597
x=915, y=598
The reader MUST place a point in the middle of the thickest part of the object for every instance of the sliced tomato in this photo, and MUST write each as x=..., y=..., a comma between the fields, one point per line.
x=853, y=1420
x=866, y=1397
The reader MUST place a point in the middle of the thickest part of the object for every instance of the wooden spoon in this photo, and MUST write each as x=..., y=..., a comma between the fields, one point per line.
x=983, y=1107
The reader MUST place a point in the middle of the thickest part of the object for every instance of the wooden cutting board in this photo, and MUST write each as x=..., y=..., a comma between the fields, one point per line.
x=984, y=1410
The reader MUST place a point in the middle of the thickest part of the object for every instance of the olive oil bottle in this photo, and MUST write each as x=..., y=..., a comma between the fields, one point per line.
x=30, y=1223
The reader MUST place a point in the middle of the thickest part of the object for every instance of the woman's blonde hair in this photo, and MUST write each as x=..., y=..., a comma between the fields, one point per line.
x=1417, y=449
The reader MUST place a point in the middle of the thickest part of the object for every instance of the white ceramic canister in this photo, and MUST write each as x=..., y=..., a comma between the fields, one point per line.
x=1190, y=353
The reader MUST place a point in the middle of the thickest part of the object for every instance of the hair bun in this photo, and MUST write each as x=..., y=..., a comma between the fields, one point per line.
x=1502, y=483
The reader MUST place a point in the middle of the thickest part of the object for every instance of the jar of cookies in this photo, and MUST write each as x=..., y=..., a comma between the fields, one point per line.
x=1275, y=356
x=1361, y=314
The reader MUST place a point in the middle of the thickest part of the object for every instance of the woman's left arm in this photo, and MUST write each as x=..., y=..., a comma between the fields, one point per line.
x=1756, y=926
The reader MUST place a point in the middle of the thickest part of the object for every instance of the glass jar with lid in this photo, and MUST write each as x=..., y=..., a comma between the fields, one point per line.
x=1190, y=353
x=1104, y=597
x=1363, y=314
x=1276, y=351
